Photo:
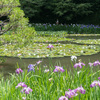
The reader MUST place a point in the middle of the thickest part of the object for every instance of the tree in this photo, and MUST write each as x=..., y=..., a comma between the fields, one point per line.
x=31, y=7
x=65, y=10
x=15, y=16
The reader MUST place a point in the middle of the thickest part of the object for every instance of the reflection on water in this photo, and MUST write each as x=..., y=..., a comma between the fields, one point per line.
x=11, y=63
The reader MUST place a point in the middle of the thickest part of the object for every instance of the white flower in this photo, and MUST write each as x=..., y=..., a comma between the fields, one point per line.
x=50, y=79
x=82, y=51
x=34, y=54
x=64, y=54
x=46, y=70
x=83, y=47
x=38, y=56
x=29, y=54
x=47, y=55
x=78, y=72
x=6, y=49
x=73, y=58
x=19, y=54
x=24, y=98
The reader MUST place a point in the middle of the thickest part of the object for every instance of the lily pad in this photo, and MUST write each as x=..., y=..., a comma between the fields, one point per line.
x=37, y=50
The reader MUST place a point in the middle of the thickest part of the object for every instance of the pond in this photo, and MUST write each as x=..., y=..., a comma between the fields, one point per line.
x=11, y=63
x=84, y=37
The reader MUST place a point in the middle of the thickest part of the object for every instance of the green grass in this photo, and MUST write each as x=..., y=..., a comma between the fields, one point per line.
x=43, y=89
x=52, y=33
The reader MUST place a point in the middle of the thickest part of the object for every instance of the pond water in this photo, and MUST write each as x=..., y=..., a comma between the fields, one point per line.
x=84, y=37
x=11, y=63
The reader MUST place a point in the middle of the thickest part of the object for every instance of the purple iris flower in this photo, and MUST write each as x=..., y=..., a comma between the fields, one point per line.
x=31, y=67
x=99, y=78
x=50, y=46
x=44, y=24
x=70, y=93
x=63, y=98
x=96, y=63
x=95, y=83
x=38, y=62
x=79, y=65
x=91, y=64
x=26, y=90
x=19, y=70
x=50, y=25
x=80, y=89
x=21, y=84
x=58, y=69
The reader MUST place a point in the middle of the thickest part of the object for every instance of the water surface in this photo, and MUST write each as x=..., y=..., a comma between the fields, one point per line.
x=12, y=63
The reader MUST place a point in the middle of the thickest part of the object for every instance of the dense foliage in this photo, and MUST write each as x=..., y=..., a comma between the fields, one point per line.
x=69, y=28
x=15, y=22
x=64, y=10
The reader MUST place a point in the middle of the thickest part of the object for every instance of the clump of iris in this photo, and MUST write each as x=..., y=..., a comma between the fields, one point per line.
x=80, y=64
x=24, y=87
x=72, y=93
x=21, y=84
x=58, y=69
x=26, y=90
x=63, y=98
x=19, y=70
x=95, y=83
x=50, y=47
x=31, y=67
x=96, y=63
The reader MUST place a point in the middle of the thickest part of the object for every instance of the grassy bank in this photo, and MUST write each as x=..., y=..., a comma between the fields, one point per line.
x=50, y=82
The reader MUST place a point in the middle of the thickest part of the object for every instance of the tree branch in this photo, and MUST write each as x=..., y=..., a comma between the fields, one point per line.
x=6, y=14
